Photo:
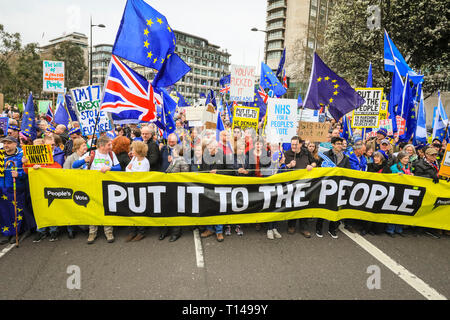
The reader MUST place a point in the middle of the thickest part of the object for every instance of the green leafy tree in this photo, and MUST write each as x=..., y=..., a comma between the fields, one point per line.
x=10, y=46
x=419, y=29
x=74, y=65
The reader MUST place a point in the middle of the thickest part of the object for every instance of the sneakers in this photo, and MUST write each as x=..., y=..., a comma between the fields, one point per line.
x=239, y=231
x=270, y=234
x=39, y=236
x=91, y=238
x=53, y=236
x=333, y=234
x=319, y=233
x=228, y=230
x=219, y=237
x=206, y=233
x=276, y=234
x=109, y=237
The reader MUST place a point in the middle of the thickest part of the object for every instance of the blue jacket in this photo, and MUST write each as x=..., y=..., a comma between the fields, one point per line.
x=356, y=163
x=7, y=180
x=58, y=156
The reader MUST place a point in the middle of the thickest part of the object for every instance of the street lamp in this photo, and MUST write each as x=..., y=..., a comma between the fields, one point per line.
x=90, y=58
x=265, y=54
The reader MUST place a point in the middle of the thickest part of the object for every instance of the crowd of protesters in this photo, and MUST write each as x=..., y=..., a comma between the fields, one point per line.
x=143, y=147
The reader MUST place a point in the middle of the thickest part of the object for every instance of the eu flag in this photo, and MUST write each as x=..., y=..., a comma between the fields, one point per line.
x=327, y=88
x=281, y=63
x=181, y=101
x=29, y=120
x=169, y=107
x=269, y=80
x=395, y=98
x=146, y=38
x=211, y=99
x=225, y=80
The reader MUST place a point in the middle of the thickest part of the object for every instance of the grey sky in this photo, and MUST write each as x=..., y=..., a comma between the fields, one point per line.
x=223, y=23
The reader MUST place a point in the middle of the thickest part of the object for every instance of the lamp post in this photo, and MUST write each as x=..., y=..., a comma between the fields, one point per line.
x=265, y=54
x=90, y=55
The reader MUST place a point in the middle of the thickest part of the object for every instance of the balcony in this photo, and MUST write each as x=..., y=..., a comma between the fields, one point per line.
x=275, y=26
x=277, y=5
x=276, y=16
x=277, y=36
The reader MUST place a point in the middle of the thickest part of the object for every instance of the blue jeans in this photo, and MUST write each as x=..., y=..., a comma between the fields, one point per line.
x=391, y=228
x=218, y=228
x=54, y=229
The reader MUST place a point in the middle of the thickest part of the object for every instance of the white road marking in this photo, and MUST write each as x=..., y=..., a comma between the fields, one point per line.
x=198, y=249
x=411, y=279
x=7, y=249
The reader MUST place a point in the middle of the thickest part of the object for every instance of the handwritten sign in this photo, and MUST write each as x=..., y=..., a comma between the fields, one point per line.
x=39, y=154
x=282, y=122
x=313, y=131
x=4, y=122
x=242, y=82
x=53, y=76
x=245, y=117
x=367, y=115
x=87, y=106
x=209, y=117
x=195, y=113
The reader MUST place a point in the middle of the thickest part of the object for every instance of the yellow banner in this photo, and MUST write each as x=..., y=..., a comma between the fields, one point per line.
x=77, y=197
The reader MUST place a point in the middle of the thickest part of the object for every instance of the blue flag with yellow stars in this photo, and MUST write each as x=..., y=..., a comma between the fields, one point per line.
x=270, y=81
x=146, y=38
x=326, y=88
x=169, y=107
x=258, y=103
x=182, y=101
x=408, y=111
x=28, y=119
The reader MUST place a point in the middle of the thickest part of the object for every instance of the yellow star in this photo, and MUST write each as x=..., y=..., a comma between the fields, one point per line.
x=14, y=224
x=168, y=28
x=335, y=93
x=162, y=60
x=18, y=209
x=159, y=21
x=26, y=112
x=168, y=56
x=154, y=60
x=331, y=100
x=4, y=197
x=327, y=78
x=149, y=22
x=336, y=86
x=333, y=81
x=5, y=229
x=146, y=31
x=19, y=218
x=149, y=54
x=146, y=44
x=319, y=79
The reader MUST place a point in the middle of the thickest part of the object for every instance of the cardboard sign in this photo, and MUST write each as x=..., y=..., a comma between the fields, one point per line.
x=282, y=122
x=2, y=102
x=195, y=113
x=209, y=117
x=242, y=82
x=445, y=164
x=367, y=115
x=53, y=76
x=246, y=117
x=4, y=123
x=40, y=154
x=313, y=131
x=87, y=106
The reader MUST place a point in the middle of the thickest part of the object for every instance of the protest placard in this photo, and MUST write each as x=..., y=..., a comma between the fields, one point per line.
x=367, y=115
x=242, y=82
x=313, y=131
x=444, y=171
x=282, y=122
x=53, y=76
x=401, y=124
x=195, y=113
x=209, y=117
x=87, y=106
x=2, y=162
x=2, y=102
x=307, y=115
x=387, y=124
x=245, y=117
x=43, y=105
x=384, y=110
x=4, y=122
x=39, y=154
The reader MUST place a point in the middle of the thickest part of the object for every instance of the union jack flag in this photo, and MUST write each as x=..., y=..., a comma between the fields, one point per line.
x=128, y=95
x=225, y=89
x=263, y=94
x=49, y=116
x=285, y=84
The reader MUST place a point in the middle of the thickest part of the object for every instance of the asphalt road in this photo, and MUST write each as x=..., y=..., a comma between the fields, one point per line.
x=247, y=267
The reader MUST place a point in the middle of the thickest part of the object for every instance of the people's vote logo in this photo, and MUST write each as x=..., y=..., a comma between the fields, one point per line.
x=79, y=197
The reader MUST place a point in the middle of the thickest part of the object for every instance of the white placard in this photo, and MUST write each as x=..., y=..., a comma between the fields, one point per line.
x=282, y=121
x=53, y=76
